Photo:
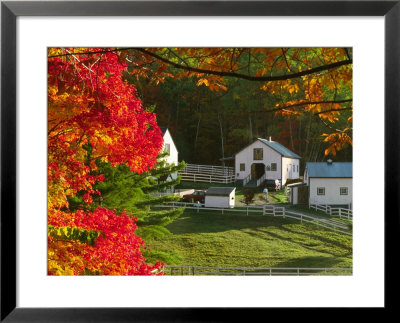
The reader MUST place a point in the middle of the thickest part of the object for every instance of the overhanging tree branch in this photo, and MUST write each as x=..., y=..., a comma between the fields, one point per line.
x=291, y=106
x=248, y=77
x=223, y=73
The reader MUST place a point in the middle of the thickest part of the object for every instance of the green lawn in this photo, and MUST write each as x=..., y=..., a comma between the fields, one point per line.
x=209, y=238
x=279, y=197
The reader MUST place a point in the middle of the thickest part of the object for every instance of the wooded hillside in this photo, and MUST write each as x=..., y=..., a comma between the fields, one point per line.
x=216, y=101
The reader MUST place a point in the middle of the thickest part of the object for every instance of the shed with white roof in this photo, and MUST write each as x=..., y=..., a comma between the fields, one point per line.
x=222, y=197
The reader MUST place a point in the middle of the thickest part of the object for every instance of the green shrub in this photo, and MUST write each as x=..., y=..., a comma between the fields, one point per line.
x=248, y=196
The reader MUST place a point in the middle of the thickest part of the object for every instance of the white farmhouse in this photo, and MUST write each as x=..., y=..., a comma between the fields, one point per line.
x=169, y=146
x=222, y=197
x=329, y=183
x=268, y=159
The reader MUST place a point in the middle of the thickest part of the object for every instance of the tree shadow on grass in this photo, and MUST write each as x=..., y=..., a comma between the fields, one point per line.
x=307, y=244
x=208, y=222
x=311, y=235
x=310, y=262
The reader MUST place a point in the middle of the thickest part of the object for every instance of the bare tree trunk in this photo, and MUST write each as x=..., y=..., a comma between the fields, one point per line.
x=178, y=103
x=222, y=139
x=198, y=125
x=300, y=143
x=306, y=153
x=250, y=130
x=291, y=134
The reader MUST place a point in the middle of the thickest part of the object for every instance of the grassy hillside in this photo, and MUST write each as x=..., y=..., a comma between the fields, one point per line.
x=209, y=238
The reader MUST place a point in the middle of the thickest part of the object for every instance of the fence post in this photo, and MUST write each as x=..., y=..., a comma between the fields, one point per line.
x=283, y=212
x=273, y=210
x=247, y=213
x=340, y=213
x=264, y=209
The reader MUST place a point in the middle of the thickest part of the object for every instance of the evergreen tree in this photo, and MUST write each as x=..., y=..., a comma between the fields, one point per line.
x=137, y=194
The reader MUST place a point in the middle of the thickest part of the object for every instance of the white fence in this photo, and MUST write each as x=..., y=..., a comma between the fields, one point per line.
x=209, y=169
x=333, y=211
x=334, y=225
x=255, y=271
x=208, y=174
x=192, y=177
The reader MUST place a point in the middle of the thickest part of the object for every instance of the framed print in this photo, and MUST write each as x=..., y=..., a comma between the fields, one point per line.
x=37, y=64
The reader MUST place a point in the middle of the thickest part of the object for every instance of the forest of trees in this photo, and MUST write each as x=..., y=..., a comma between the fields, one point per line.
x=210, y=124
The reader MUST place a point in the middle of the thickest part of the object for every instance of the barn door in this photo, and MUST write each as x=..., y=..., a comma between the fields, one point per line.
x=253, y=171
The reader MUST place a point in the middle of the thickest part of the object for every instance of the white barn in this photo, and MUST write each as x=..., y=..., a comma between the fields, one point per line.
x=223, y=197
x=169, y=146
x=266, y=158
x=329, y=182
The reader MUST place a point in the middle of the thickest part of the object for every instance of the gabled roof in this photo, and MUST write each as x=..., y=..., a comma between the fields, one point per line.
x=285, y=152
x=220, y=191
x=279, y=148
x=164, y=131
x=334, y=169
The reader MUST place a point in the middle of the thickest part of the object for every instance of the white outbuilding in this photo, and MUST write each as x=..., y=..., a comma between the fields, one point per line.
x=222, y=197
x=170, y=148
x=298, y=193
x=329, y=183
x=171, y=159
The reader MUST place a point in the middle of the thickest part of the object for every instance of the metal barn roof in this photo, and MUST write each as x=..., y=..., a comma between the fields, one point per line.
x=220, y=191
x=326, y=169
x=285, y=152
x=279, y=148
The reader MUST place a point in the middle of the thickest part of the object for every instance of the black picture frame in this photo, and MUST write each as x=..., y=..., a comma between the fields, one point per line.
x=10, y=10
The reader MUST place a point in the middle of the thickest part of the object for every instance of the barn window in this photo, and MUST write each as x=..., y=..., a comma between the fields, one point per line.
x=294, y=168
x=320, y=190
x=273, y=167
x=344, y=191
x=258, y=154
x=167, y=148
x=242, y=167
x=297, y=168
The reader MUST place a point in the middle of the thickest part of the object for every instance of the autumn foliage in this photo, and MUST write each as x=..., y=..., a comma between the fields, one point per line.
x=315, y=81
x=93, y=114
